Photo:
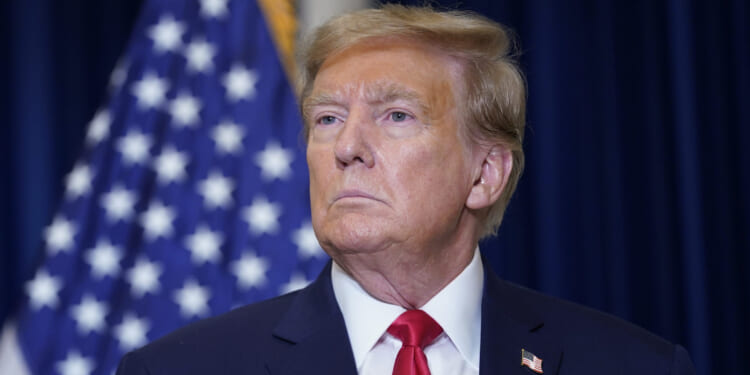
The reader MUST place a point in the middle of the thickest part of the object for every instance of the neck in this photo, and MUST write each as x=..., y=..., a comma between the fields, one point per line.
x=406, y=277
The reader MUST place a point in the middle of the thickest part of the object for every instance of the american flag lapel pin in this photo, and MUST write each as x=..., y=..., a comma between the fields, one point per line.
x=531, y=361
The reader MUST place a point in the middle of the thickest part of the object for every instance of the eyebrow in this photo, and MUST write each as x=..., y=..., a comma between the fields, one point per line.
x=378, y=93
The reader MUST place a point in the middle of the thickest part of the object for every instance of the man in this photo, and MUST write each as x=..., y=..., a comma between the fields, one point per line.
x=414, y=123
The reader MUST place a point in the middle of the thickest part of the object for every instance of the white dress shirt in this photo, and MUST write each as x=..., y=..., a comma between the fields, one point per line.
x=457, y=308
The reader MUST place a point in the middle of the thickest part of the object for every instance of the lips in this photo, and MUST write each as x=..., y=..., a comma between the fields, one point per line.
x=354, y=194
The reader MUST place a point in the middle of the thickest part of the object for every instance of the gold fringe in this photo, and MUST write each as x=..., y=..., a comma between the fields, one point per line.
x=281, y=18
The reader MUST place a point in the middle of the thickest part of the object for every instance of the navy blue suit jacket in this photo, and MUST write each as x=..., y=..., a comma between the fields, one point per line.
x=304, y=333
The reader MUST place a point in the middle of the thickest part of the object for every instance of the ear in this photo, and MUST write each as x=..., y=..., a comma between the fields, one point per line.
x=493, y=177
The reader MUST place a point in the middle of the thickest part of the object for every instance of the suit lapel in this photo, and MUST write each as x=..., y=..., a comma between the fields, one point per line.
x=509, y=324
x=312, y=334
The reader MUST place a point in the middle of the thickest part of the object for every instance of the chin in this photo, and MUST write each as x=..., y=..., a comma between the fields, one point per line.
x=352, y=235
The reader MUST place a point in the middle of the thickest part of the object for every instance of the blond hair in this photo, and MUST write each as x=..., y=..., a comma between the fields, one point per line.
x=495, y=88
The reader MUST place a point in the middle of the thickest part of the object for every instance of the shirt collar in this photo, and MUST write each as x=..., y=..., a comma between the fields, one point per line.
x=457, y=308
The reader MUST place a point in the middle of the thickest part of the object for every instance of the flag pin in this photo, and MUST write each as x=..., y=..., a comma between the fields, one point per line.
x=531, y=361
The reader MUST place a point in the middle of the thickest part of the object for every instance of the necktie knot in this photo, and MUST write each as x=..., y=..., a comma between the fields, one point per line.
x=415, y=328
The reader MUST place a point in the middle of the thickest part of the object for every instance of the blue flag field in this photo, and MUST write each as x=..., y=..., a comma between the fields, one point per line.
x=190, y=197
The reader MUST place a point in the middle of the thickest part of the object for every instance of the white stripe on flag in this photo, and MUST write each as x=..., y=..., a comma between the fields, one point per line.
x=11, y=360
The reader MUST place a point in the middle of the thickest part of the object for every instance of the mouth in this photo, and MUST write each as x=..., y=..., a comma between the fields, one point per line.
x=353, y=194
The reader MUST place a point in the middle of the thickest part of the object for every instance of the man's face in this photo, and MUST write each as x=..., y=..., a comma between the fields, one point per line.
x=388, y=165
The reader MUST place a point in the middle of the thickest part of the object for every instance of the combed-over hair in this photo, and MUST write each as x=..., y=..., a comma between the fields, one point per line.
x=495, y=99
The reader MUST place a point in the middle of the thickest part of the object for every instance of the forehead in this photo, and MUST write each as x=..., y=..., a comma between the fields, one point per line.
x=383, y=68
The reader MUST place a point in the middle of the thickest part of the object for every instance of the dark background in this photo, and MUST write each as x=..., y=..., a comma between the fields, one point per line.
x=636, y=195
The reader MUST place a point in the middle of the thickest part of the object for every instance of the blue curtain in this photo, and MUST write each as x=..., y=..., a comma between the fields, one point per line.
x=636, y=195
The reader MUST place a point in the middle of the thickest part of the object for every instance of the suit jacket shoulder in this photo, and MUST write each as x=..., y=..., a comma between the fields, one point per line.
x=298, y=333
x=304, y=333
x=569, y=338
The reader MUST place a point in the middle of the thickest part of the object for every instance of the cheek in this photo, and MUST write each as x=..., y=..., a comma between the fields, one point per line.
x=317, y=156
x=435, y=175
x=421, y=172
x=318, y=178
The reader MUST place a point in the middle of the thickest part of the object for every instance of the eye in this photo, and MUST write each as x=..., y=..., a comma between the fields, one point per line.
x=397, y=116
x=327, y=120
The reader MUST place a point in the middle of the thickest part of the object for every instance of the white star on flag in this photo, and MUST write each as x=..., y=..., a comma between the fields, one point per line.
x=199, y=55
x=216, y=190
x=213, y=8
x=184, y=110
x=250, y=270
x=75, y=364
x=118, y=203
x=43, y=290
x=262, y=216
x=89, y=315
x=296, y=282
x=134, y=147
x=167, y=34
x=274, y=162
x=144, y=277
x=118, y=76
x=189, y=183
x=170, y=165
x=59, y=235
x=306, y=242
x=104, y=259
x=98, y=127
x=204, y=245
x=131, y=332
x=228, y=137
x=240, y=83
x=78, y=181
x=150, y=91
x=192, y=299
x=157, y=221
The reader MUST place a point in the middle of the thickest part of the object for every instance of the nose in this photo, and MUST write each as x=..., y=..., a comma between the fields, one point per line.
x=353, y=143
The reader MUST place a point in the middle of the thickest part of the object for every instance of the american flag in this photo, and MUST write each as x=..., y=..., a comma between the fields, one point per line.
x=189, y=199
x=531, y=361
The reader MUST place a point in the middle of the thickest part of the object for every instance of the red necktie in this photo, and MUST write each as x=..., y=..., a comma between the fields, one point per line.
x=416, y=330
